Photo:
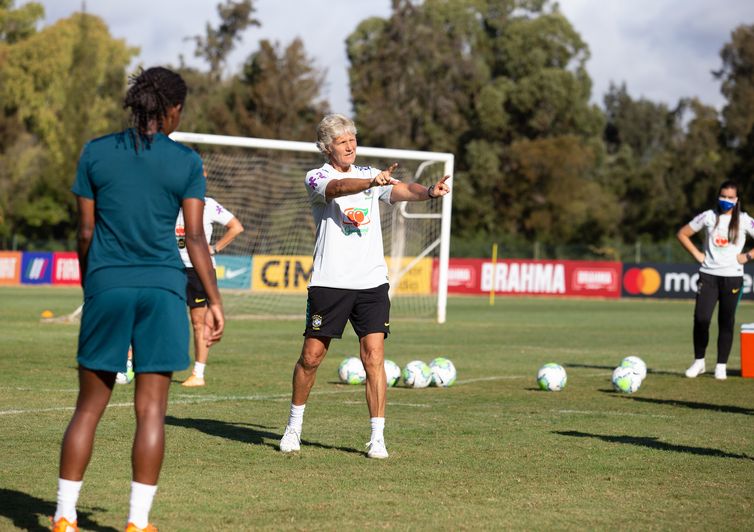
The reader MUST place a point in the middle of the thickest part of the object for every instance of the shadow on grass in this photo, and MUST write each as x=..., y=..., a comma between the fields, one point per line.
x=650, y=371
x=244, y=433
x=693, y=405
x=652, y=442
x=26, y=510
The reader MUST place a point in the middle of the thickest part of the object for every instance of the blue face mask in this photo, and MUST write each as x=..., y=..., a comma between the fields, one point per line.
x=725, y=205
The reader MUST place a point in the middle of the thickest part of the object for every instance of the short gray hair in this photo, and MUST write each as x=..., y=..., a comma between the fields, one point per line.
x=331, y=127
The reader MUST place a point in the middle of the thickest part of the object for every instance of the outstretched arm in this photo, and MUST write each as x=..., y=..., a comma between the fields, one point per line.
x=417, y=192
x=353, y=185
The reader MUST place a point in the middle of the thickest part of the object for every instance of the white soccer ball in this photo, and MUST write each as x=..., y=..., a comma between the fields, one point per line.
x=443, y=372
x=636, y=364
x=351, y=371
x=626, y=380
x=392, y=372
x=417, y=374
x=552, y=377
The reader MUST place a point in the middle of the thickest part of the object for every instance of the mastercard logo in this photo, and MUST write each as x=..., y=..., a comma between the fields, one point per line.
x=641, y=281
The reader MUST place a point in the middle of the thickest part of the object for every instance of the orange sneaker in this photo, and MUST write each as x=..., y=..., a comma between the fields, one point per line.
x=133, y=528
x=63, y=525
x=193, y=381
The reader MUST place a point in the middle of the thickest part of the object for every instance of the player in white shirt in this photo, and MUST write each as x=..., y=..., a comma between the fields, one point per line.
x=196, y=298
x=720, y=274
x=349, y=280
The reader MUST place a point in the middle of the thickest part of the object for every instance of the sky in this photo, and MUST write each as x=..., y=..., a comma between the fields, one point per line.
x=662, y=50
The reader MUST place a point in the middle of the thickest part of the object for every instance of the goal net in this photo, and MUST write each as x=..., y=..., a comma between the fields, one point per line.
x=264, y=272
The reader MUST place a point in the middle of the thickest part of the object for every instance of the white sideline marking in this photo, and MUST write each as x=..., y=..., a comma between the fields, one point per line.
x=611, y=413
x=271, y=397
x=390, y=403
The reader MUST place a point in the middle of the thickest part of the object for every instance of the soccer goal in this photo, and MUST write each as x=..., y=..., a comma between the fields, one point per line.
x=261, y=182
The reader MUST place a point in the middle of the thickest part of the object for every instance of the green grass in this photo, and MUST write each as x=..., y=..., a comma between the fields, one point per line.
x=491, y=452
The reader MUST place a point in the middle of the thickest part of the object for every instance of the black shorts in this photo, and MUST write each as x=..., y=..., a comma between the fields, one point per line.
x=328, y=310
x=195, y=295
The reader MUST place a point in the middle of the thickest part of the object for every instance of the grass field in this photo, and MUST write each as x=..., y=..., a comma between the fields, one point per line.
x=491, y=452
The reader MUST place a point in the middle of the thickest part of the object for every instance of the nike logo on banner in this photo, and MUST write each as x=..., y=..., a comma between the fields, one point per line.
x=230, y=274
x=200, y=299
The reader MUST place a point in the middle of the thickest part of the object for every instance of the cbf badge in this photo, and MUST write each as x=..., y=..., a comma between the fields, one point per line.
x=316, y=322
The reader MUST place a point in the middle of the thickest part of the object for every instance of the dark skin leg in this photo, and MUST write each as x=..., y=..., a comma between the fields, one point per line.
x=95, y=388
x=305, y=372
x=151, y=403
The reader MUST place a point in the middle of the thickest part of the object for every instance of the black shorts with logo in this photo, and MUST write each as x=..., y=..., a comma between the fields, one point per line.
x=328, y=310
x=195, y=295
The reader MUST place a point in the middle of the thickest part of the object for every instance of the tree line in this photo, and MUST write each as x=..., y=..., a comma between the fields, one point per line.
x=502, y=84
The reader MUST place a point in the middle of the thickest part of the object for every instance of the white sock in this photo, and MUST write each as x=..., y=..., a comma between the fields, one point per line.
x=296, y=418
x=141, y=502
x=199, y=369
x=378, y=428
x=68, y=495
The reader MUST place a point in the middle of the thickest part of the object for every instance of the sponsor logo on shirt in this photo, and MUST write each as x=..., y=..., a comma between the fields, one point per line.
x=356, y=217
x=720, y=240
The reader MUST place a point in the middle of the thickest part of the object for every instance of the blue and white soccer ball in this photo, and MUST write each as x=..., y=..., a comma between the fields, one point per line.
x=636, y=364
x=351, y=371
x=552, y=377
x=443, y=372
x=626, y=380
x=392, y=372
x=417, y=374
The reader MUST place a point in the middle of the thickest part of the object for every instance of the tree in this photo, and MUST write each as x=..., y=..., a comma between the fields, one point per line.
x=487, y=80
x=277, y=94
x=216, y=45
x=20, y=23
x=737, y=77
x=64, y=84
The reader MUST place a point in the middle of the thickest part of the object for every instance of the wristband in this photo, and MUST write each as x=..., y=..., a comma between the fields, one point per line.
x=429, y=192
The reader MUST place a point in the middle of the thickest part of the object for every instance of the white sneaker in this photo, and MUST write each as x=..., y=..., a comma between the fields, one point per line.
x=377, y=449
x=291, y=441
x=720, y=372
x=697, y=368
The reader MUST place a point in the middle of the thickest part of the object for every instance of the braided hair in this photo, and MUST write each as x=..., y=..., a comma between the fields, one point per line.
x=151, y=94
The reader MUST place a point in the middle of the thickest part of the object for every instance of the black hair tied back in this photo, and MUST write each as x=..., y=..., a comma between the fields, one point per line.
x=150, y=95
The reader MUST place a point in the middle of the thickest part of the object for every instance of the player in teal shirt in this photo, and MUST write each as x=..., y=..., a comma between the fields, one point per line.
x=129, y=187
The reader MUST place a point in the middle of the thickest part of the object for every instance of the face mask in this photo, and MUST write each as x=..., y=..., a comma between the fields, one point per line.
x=725, y=205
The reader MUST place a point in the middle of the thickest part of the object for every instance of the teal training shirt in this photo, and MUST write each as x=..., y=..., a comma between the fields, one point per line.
x=137, y=195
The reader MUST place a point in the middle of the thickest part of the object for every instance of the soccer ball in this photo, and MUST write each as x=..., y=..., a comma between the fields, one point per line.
x=417, y=374
x=392, y=372
x=128, y=376
x=626, y=380
x=443, y=372
x=636, y=364
x=351, y=371
x=552, y=377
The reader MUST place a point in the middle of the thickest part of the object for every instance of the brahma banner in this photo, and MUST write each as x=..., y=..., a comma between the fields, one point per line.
x=533, y=277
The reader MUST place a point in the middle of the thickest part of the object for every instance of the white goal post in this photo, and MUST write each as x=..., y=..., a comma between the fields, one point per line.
x=242, y=170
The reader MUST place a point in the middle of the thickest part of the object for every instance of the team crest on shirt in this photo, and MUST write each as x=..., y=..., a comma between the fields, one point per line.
x=720, y=241
x=354, y=220
x=316, y=322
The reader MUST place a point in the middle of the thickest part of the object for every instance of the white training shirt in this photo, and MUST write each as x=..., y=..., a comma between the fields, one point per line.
x=348, y=250
x=213, y=213
x=719, y=254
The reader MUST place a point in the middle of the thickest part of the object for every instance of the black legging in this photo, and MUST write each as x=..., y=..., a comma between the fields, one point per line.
x=711, y=289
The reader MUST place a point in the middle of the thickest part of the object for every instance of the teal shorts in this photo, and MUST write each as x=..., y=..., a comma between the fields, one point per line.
x=152, y=320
